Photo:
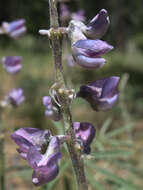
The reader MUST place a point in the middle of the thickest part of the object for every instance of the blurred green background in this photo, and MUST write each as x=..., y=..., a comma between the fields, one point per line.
x=117, y=162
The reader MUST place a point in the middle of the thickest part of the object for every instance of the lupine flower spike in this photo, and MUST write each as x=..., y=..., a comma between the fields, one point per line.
x=42, y=152
x=12, y=64
x=101, y=94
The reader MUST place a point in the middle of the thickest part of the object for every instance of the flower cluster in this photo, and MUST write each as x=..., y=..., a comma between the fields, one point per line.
x=12, y=64
x=40, y=148
x=42, y=152
x=87, y=50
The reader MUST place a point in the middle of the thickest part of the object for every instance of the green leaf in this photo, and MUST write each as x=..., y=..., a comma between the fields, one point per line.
x=114, y=177
x=112, y=154
x=128, y=166
x=117, y=142
x=105, y=127
x=120, y=130
x=93, y=182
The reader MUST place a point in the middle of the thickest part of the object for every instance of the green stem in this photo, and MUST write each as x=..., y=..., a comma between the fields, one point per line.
x=75, y=155
x=2, y=162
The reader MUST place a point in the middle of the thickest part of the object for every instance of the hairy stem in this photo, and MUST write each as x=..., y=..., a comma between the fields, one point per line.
x=75, y=155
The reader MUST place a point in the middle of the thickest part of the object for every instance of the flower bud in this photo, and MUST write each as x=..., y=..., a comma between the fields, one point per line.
x=101, y=94
x=85, y=133
x=87, y=53
x=52, y=110
x=98, y=25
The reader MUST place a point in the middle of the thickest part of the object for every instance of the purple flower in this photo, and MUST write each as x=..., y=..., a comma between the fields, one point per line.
x=52, y=110
x=101, y=94
x=12, y=64
x=41, y=150
x=98, y=25
x=79, y=15
x=87, y=53
x=14, y=29
x=85, y=133
x=15, y=96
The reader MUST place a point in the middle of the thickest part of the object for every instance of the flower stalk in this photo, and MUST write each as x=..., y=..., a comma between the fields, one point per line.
x=61, y=91
x=2, y=160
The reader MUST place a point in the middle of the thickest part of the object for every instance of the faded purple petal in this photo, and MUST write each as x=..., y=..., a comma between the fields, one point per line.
x=12, y=64
x=85, y=132
x=98, y=25
x=101, y=94
x=87, y=52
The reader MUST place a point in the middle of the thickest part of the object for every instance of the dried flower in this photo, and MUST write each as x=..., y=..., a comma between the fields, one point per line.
x=52, y=109
x=101, y=94
x=12, y=64
x=98, y=25
x=14, y=29
x=87, y=53
x=85, y=133
x=42, y=152
x=15, y=96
